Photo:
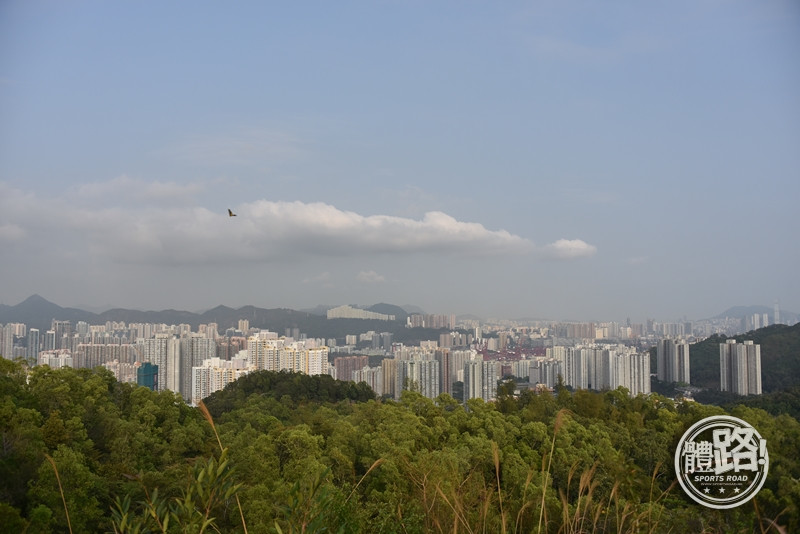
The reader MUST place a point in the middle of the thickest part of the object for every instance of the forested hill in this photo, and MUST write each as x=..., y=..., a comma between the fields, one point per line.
x=82, y=452
x=780, y=358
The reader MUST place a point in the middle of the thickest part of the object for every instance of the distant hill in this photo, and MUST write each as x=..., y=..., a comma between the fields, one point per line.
x=411, y=309
x=780, y=358
x=740, y=312
x=37, y=312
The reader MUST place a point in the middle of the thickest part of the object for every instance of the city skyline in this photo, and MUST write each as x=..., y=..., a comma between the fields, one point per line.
x=555, y=160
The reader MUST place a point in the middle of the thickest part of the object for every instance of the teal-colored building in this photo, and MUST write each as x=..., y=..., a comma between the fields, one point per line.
x=147, y=375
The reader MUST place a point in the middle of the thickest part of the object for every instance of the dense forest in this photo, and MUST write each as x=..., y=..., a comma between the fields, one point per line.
x=284, y=452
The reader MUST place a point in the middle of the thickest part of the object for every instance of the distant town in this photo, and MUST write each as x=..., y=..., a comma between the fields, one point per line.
x=465, y=358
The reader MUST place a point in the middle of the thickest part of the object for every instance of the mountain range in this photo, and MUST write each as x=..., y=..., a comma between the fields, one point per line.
x=38, y=312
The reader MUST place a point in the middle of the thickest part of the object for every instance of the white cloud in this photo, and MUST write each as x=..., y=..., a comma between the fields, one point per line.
x=568, y=249
x=263, y=232
x=370, y=277
x=318, y=228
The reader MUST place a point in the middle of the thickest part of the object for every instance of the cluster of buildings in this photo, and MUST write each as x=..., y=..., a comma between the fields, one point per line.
x=462, y=364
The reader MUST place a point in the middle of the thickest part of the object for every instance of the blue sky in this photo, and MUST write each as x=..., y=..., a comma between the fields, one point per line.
x=567, y=160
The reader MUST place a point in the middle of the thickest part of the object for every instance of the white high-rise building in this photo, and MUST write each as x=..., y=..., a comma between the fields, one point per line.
x=740, y=367
x=672, y=361
x=418, y=375
x=598, y=367
x=56, y=359
x=268, y=353
x=163, y=350
x=7, y=341
x=473, y=379
x=194, y=350
x=545, y=371
x=214, y=374
x=574, y=365
x=480, y=380
x=33, y=344
x=631, y=371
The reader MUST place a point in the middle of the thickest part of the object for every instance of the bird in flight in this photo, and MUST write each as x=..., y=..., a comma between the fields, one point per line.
x=230, y=213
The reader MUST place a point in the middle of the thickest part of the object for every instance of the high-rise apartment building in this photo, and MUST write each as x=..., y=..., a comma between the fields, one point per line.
x=544, y=371
x=389, y=371
x=268, y=353
x=63, y=331
x=7, y=341
x=672, y=361
x=33, y=345
x=373, y=376
x=49, y=342
x=480, y=380
x=163, y=350
x=214, y=374
x=596, y=367
x=631, y=371
x=418, y=375
x=740, y=367
x=347, y=365
x=194, y=350
x=473, y=379
x=599, y=366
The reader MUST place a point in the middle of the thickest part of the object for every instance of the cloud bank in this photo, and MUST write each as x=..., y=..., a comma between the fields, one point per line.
x=146, y=230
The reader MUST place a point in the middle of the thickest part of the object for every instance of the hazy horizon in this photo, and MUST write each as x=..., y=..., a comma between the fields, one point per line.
x=555, y=159
x=411, y=308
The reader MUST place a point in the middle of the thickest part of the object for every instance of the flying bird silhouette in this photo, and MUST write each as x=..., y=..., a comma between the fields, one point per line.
x=230, y=213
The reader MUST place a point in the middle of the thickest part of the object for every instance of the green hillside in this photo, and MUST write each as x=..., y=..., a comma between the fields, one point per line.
x=780, y=358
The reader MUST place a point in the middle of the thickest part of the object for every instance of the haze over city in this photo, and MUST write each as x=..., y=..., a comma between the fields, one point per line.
x=550, y=159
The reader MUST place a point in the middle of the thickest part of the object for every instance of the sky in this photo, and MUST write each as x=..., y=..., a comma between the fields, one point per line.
x=569, y=160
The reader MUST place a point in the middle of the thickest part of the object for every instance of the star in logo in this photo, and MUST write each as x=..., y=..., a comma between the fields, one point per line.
x=736, y=490
x=722, y=490
x=707, y=490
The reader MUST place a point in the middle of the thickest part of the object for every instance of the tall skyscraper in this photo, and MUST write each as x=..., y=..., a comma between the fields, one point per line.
x=545, y=371
x=244, y=326
x=33, y=345
x=672, y=361
x=63, y=331
x=599, y=367
x=473, y=379
x=7, y=341
x=194, y=350
x=373, y=376
x=740, y=367
x=480, y=380
x=389, y=368
x=418, y=375
x=443, y=356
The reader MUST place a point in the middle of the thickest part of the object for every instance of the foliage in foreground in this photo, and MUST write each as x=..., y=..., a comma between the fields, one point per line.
x=132, y=460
